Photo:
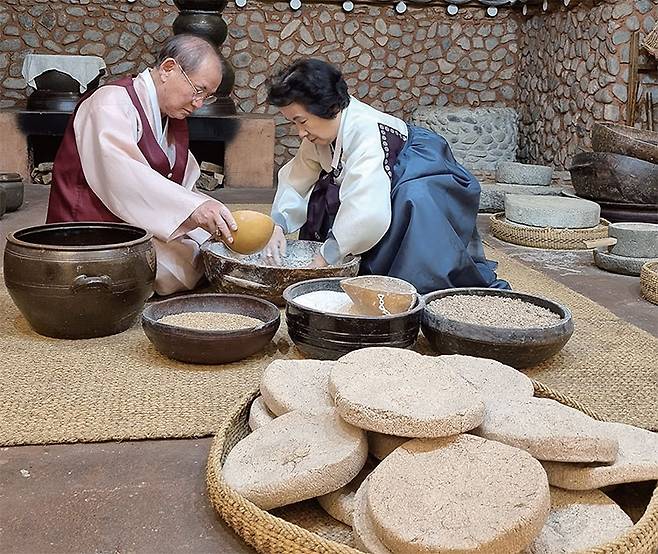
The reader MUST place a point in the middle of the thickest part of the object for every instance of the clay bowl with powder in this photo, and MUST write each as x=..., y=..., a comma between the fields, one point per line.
x=324, y=326
x=210, y=328
x=255, y=275
x=517, y=329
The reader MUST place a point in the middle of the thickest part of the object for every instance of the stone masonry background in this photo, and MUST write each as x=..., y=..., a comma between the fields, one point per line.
x=562, y=70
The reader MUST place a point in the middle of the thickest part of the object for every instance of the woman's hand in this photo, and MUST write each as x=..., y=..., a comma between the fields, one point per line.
x=215, y=218
x=276, y=247
x=318, y=261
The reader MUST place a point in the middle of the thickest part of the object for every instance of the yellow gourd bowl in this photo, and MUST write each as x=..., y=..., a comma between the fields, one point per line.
x=254, y=232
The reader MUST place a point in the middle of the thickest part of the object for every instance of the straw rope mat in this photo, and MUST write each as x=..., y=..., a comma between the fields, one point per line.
x=119, y=387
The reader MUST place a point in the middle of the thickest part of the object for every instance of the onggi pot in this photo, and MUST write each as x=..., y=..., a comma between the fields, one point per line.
x=80, y=280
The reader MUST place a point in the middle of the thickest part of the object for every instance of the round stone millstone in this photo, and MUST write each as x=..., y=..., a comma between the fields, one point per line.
x=552, y=211
x=457, y=494
x=635, y=240
x=524, y=174
x=492, y=196
x=624, y=265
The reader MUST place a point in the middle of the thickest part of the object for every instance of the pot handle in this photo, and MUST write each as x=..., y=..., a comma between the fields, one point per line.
x=245, y=283
x=84, y=282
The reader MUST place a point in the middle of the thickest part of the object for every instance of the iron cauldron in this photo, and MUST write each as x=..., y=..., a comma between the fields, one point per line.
x=80, y=280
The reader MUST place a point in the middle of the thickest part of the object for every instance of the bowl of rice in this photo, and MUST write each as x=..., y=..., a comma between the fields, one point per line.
x=515, y=328
x=210, y=328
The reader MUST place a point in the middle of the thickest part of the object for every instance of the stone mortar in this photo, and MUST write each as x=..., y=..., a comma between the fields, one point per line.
x=635, y=240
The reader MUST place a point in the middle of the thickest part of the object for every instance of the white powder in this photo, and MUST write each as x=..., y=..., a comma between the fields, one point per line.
x=327, y=301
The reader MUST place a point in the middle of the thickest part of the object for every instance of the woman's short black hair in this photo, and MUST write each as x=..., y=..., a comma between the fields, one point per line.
x=315, y=84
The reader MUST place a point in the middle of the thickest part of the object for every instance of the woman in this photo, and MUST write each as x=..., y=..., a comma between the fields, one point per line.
x=368, y=184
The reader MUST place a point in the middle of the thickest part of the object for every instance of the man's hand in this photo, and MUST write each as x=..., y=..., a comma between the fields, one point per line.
x=276, y=247
x=215, y=218
x=318, y=261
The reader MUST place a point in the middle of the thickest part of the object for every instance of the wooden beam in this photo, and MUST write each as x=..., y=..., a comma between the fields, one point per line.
x=633, y=82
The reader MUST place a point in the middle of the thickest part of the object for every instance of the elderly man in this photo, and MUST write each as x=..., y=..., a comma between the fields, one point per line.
x=124, y=158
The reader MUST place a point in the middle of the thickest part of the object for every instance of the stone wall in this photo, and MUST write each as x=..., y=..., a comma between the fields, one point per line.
x=574, y=71
x=123, y=33
x=394, y=62
x=561, y=70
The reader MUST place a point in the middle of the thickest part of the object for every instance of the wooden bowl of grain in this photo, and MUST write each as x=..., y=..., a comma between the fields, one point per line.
x=517, y=329
x=323, y=327
x=210, y=328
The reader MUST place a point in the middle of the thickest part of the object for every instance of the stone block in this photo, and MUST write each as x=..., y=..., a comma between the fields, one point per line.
x=524, y=174
x=480, y=138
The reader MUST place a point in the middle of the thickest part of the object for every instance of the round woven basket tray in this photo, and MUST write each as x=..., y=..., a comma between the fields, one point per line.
x=649, y=281
x=271, y=534
x=546, y=237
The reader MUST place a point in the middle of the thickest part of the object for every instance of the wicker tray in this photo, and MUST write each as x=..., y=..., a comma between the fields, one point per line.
x=270, y=534
x=649, y=281
x=546, y=237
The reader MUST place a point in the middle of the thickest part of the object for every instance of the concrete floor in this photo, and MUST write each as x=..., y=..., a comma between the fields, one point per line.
x=149, y=496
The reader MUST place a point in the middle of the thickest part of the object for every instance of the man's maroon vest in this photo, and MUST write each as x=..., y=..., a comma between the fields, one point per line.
x=71, y=197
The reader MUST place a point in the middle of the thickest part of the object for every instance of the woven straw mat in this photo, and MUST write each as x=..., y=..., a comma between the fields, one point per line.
x=119, y=387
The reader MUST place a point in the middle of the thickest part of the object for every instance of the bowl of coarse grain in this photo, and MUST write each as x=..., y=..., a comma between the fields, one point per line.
x=323, y=324
x=257, y=275
x=517, y=329
x=210, y=328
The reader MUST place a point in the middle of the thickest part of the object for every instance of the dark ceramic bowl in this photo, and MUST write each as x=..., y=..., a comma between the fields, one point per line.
x=210, y=347
x=329, y=336
x=614, y=178
x=516, y=347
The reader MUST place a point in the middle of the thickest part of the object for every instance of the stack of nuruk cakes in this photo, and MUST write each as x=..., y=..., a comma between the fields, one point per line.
x=423, y=454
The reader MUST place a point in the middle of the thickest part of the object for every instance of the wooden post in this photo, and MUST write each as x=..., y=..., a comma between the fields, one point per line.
x=633, y=81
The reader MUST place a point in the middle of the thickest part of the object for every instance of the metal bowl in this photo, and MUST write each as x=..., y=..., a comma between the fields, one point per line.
x=328, y=336
x=229, y=272
x=210, y=347
x=516, y=347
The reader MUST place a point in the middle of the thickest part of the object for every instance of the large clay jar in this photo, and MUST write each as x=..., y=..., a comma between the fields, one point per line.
x=80, y=280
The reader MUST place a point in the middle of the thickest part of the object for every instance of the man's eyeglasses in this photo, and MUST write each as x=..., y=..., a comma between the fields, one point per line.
x=198, y=93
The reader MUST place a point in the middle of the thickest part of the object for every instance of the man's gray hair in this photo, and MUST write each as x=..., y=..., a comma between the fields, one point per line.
x=188, y=50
